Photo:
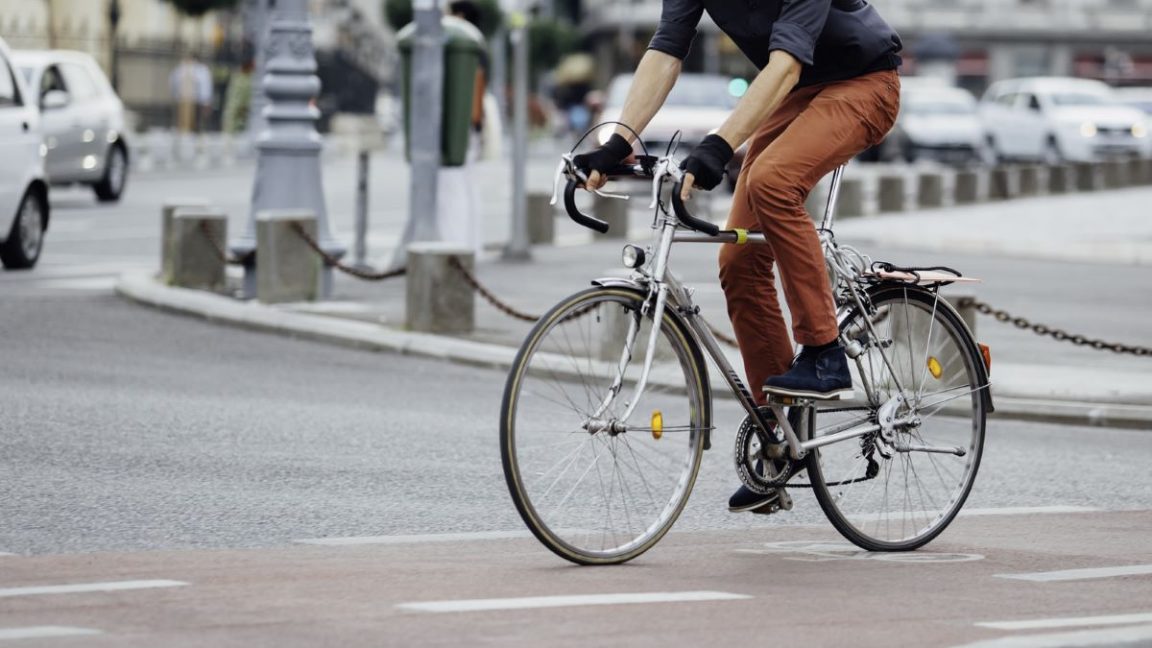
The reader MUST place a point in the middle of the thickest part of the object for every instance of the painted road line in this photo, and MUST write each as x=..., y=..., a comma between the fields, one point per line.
x=536, y=602
x=1081, y=574
x=1130, y=636
x=418, y=539
x=1028, y=510
x=44, y=632
x=1069, y=622
x=80, y=588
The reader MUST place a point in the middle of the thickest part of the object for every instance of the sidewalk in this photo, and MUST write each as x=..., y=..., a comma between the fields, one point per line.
x=1079, y=263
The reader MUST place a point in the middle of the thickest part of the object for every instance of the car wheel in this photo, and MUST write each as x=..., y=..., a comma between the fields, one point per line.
x=1052, y=155
x=26, y=238
x=111, y=186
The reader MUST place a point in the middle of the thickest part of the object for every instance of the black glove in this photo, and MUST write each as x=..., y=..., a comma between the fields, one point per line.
x=607, y=157
x=708, y=162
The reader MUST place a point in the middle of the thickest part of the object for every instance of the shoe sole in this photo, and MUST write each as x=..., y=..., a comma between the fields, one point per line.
x=755, y=506
x=797, y=393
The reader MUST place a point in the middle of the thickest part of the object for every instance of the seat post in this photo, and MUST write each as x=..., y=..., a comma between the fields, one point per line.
x=833, y=195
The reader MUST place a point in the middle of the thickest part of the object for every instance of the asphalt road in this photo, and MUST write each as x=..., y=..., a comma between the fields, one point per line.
x=144, y=446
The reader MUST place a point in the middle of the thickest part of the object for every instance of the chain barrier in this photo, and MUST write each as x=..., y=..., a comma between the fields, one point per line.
x=335, y=262
x=499, y=305
x=1051, y=331
x=218, y=247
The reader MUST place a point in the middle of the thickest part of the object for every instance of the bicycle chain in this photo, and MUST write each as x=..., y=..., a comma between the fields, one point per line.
x=330, y=260
x=1053, y=332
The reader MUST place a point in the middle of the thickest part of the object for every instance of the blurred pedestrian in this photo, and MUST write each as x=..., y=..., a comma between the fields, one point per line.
x=191, y=87
x=236, y=99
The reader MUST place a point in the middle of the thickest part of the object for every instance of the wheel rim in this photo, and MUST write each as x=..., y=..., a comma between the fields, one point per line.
x=31, y=228
x=906, y=498
x=600, y=497
x=117, y=170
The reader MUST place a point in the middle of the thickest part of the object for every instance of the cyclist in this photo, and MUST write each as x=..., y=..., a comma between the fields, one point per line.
x=827, y=89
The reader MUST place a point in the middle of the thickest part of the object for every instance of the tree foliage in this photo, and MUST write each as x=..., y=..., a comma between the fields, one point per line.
x=549, y=41
x=196, y=8
x=399, y=13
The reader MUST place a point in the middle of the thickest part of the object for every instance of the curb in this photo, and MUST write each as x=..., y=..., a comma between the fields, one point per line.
x=143, y=288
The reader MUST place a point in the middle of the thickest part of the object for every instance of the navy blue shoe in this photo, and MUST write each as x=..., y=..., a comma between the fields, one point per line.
x=816, y=374
x=746, y=500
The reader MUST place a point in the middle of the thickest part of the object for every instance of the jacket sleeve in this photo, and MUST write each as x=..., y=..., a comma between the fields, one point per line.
x=677, y=28
x=798, y=27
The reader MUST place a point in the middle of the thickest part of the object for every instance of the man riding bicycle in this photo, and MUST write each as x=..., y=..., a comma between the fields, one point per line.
x=827, y=89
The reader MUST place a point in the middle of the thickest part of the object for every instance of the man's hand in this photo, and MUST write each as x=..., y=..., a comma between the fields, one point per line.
x=595, y=164
x=705, y=167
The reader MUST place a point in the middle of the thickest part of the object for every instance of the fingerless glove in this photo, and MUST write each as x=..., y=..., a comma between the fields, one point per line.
x=708, y=161
x=612, y=153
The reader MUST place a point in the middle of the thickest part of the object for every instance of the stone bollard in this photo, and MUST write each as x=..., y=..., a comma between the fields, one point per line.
x=541, y=219
x=891, y=194
x=967, y=190
x=1136, y=171
x=967, y=311
x=1029, y=181
x=1003, y=183
x=1060, y=179
x=1088, y=176
x=167, y=214
x=1146, y=171
x=287, y=270
x=930, y=190
x=439, y=298
x=1115, y=174
x=613, y=211
x=850, y=203
x=198, y=236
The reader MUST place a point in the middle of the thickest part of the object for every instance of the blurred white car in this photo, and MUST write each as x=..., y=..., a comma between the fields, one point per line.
x=697, y=106
x=1054, y=119
x=82, y=118
x=1140, y=99
x=23, y=192
x=938, y=122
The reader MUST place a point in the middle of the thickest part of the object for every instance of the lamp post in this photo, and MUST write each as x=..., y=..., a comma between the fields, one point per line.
x=114, y=43
x=256, y=29
x=288, y=149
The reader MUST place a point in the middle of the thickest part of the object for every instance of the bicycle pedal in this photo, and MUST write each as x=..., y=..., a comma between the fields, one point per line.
x=783, y=502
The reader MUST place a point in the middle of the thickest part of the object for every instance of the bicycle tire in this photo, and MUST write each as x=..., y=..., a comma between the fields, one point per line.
x=533, y=408
x=908, y=319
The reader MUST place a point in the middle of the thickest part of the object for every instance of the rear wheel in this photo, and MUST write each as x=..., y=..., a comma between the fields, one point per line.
x=593, y=488
x=111, y=186
x=26, y=238
x=897, y=489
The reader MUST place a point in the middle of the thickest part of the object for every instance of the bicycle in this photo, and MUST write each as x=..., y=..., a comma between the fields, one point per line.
x=599, y=480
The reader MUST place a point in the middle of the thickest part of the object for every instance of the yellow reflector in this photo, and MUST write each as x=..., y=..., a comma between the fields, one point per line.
x=934, y=367
x=657, y=424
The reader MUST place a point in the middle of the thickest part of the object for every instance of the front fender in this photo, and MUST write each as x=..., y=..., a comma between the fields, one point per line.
x=619, y=282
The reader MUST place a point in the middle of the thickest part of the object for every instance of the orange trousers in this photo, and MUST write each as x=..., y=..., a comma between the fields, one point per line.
x=814, y=130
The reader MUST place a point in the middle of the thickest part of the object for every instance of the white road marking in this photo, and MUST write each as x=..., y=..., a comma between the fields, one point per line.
x=1069, y=622
x=1135, y=636
x=1028, y=510
x=535, y=602
x=417, y=539
x=1081, y=574
x=79, y=588
x=42, y=632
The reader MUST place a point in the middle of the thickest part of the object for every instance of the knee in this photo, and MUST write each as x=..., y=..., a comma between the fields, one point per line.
x=771, y=188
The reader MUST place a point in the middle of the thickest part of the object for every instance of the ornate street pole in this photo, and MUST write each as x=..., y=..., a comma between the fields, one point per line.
x=256, y=30
x=288, y=150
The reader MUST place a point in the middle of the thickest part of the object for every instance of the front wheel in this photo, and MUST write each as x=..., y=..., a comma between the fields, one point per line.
x=592, y=487
x=897, y=489
x=26, y=238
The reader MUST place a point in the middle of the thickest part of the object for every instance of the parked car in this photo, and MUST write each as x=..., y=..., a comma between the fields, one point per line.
x=1053, y=119
x=23, y=190
x=1139, y=98
x=938, y=122
x=82, y=119
x=697, y=106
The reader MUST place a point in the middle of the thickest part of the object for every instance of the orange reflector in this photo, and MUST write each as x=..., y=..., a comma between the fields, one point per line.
x=657, y=424
x=934, y=367
x=986, y=353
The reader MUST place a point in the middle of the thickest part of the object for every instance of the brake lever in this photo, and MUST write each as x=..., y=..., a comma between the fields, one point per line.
x=567, y=168
x=666, y=167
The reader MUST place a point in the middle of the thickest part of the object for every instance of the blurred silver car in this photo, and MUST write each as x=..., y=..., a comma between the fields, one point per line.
x=23, y=192
x=82, y=118
x=939, y=122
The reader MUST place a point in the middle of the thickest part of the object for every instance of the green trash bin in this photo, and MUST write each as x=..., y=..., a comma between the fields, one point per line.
x=463, y=48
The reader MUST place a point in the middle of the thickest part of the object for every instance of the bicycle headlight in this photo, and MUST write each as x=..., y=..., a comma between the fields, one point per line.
x=632, y=256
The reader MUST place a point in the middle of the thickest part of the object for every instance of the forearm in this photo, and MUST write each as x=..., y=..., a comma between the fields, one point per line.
x=654, y=78
x=767, y=91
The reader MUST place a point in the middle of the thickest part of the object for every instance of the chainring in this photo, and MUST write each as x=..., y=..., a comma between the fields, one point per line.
x=762, y=461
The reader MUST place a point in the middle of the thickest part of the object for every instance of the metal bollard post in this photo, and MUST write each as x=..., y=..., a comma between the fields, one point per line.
x=1029, y=181
x=1060, y=179
x=1088, y=176
x=1003, y=183
x=360, y=245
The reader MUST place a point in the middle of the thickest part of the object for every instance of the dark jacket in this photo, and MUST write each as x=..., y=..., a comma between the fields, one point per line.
x=834, y=39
